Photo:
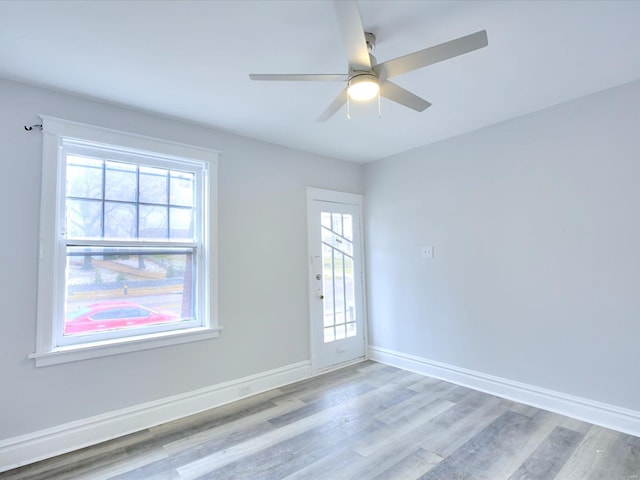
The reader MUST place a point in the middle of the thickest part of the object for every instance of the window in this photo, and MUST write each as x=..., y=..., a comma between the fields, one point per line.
x=127, y=257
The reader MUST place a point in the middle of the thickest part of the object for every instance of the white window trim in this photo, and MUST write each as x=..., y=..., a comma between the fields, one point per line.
x=47, y=353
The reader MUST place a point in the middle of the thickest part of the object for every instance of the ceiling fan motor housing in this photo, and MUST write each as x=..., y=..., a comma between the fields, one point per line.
x=370, y=38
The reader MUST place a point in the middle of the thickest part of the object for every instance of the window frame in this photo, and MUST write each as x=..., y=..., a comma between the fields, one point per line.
x=53, y=242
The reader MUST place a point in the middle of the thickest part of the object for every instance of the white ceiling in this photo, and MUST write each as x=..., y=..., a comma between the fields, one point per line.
x=191, y=59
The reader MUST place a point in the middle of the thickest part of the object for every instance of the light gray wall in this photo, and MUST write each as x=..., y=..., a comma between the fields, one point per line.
x=263, y=267
x=535, y=224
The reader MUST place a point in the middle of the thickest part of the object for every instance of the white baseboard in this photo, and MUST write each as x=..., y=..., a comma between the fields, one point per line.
x=32, y=447
x=609, y=416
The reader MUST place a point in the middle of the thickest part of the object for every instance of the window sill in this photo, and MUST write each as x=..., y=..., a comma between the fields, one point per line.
x=116, y=347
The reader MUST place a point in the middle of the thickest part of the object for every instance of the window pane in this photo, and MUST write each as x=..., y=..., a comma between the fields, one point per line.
x=153, y=185
x=84, y=177
x=153, y=222
x=181, y=223
x=84, y=218
x=181, y=189
x=325, y=219
x=120, y=289
x=120, y=181
x=119, y=220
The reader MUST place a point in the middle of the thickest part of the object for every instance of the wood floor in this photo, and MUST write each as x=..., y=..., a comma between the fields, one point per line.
x=368, y=421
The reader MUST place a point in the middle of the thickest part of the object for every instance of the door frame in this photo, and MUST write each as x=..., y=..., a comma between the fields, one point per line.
x=357, y=200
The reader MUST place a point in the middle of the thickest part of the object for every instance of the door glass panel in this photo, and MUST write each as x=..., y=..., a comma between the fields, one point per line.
x=351, y=329
x=329, y=334
x=347, y=227
x=337, y=223
x=337, y=276
x=337, y=242
x=349, y=297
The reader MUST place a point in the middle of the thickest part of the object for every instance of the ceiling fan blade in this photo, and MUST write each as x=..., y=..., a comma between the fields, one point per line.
x=353, y=39
x=431, y=55
x=399, y=95
x=336, y=105
x=301, y=77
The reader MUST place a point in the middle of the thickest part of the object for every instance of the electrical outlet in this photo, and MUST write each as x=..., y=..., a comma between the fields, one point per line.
x=427, y=252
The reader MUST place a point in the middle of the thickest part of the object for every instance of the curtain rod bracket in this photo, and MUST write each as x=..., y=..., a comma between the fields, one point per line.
x=29, y=128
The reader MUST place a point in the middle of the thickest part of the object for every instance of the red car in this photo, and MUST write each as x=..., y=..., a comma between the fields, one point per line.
x=114, y=315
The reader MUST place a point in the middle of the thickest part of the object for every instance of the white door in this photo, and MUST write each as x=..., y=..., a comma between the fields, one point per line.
x=336, y=278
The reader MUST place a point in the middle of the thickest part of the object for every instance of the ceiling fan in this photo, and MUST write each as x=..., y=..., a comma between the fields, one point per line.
x=366, y=79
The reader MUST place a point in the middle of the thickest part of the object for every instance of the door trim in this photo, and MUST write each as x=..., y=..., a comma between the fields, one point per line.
x=357, y=200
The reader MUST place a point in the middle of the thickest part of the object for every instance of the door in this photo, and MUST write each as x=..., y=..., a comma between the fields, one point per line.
x=336, y=278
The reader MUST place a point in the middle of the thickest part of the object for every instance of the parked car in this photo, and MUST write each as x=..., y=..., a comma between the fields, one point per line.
x=114, y=315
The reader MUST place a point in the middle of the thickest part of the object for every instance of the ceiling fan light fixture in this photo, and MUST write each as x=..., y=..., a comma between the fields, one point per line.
x=363, y=87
